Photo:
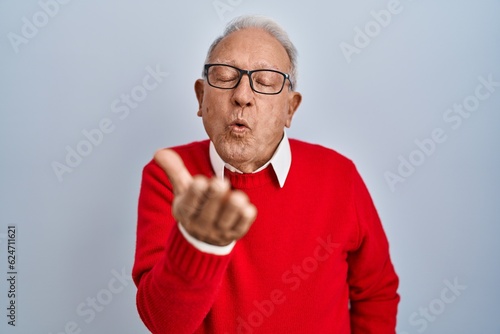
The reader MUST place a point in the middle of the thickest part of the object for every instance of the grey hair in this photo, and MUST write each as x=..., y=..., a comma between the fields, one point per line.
x=268, y=25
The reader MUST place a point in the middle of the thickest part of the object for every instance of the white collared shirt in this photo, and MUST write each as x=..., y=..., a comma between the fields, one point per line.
x=280, y=161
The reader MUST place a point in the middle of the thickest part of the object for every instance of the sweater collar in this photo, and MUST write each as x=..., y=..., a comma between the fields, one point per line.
x=280, y=161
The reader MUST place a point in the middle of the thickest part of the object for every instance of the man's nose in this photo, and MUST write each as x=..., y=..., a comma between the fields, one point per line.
x=243, y=94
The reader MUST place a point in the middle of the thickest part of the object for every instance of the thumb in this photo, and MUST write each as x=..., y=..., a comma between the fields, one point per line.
x=172, y=165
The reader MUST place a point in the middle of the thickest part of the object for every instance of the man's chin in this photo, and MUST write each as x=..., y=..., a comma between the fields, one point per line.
x=235, y=152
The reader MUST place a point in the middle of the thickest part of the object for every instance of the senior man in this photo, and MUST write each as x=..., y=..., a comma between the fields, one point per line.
x=252, y=232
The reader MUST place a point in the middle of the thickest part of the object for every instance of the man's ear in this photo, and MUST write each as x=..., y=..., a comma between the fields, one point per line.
x=199, y=89
x=293, y=105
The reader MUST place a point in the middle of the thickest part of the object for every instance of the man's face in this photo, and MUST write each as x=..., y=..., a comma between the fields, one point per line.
x=246, y=127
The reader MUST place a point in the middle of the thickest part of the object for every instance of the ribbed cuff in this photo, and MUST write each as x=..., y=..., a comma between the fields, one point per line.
x=191, y=263
x=203, y=246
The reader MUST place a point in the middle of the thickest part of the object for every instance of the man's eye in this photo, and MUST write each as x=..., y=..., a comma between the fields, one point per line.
x=264, y=83
x=226, y=78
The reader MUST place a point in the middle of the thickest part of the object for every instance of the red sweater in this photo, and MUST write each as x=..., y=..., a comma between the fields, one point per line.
x=316, y=247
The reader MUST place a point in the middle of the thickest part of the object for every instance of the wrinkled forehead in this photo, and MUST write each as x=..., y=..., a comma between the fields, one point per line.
x=251, y=49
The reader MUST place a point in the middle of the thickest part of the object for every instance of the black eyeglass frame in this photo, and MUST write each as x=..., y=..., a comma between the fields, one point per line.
x=249, y=73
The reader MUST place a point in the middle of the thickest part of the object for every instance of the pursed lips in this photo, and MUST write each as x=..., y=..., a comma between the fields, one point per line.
x=239, y=125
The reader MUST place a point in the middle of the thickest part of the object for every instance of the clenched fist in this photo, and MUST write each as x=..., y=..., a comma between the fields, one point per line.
x=207, y=208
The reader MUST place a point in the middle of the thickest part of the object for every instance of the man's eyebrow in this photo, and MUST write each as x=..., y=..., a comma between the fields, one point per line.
x=264, y=65
x=256, y=66
x=227, y=62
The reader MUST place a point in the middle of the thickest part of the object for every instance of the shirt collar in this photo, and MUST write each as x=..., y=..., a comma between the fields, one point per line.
x=281, y=161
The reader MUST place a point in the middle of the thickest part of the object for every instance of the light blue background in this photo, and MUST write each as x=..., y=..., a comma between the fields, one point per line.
x=442, y=222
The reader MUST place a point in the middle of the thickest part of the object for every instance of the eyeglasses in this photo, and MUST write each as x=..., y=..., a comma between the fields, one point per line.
x=269, y=82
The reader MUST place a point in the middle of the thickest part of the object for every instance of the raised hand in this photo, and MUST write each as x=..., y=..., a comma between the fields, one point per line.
x=207, y=208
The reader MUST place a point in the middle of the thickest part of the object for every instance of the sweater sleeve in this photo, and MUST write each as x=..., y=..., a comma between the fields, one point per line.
x=372, y=280
x=177, y=284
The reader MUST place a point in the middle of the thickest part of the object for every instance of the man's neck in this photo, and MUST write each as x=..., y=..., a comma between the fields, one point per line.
x=280, y=160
